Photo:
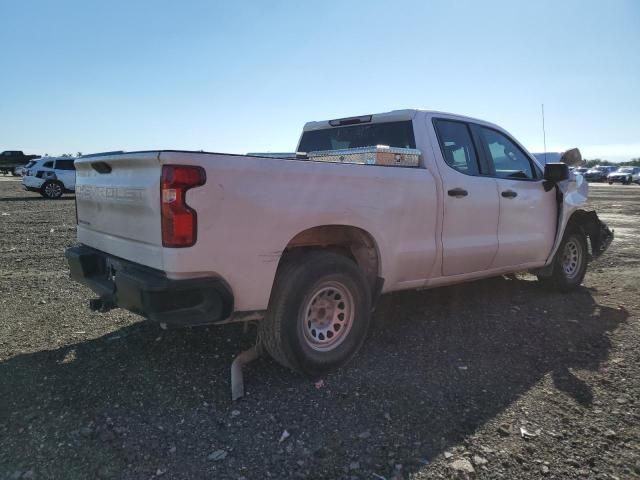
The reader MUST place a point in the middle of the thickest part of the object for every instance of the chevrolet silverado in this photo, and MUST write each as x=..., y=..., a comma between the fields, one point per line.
x=305, y=244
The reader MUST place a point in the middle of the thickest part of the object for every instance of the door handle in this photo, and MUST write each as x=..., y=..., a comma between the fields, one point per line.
x=458, y=192
x=509, y=194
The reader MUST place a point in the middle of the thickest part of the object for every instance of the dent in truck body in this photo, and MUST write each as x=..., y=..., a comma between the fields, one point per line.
x=574, y=193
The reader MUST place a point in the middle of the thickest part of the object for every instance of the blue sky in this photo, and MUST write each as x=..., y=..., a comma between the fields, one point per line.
x=243, y=76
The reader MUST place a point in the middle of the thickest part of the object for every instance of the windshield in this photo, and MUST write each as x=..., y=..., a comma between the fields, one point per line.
x=392, y=134
x=626, y=169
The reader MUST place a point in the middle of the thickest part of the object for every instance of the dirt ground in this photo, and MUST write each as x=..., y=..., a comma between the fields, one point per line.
x=493, y=379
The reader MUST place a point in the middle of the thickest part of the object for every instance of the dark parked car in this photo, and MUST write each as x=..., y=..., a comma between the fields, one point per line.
x=599, y=173
x=10, y=160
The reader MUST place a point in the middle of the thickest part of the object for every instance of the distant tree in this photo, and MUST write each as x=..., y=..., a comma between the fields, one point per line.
x=78, y=154
x=634, y=162
x=595, y=161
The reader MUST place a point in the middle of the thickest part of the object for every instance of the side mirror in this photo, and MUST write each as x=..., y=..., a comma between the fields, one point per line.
x=556, y=172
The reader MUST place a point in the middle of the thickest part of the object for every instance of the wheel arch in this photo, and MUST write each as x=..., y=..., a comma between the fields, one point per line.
x=588, y=223
x=351, y=241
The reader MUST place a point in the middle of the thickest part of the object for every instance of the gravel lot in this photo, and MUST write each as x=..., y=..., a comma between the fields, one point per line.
x=497, y=378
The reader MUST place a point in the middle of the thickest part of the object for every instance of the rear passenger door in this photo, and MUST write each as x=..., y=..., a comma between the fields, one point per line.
x=527, y=222
x=66, y=173
x=470, y=222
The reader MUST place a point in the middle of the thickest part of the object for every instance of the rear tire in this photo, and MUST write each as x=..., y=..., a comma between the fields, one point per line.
x=569, y=263
x=52, y=189
x=319, y=313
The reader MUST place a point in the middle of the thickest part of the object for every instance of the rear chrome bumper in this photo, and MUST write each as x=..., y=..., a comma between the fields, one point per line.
x=148, y=292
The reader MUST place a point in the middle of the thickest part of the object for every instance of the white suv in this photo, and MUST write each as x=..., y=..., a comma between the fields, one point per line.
x=50, y=177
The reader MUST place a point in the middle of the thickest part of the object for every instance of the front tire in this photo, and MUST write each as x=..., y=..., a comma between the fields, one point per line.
x=52, y=189
x=319, y=313
x=569, y=263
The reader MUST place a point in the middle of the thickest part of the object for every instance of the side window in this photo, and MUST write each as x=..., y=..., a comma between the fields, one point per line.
x=457, y=147
x=48, y=164
x=508, y=160
x=65, y=165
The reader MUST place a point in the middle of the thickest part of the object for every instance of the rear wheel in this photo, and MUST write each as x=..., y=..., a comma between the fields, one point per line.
x=569, y=264
x=52, y=189
x=319, y=313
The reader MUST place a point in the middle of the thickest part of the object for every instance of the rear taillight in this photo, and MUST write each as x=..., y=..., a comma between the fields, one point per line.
x=179, y=221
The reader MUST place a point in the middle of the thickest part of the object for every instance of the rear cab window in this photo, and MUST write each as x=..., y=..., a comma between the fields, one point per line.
x=393, y=134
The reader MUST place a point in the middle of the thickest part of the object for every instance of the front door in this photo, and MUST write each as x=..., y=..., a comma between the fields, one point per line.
x=527, y=223
x=470, y=223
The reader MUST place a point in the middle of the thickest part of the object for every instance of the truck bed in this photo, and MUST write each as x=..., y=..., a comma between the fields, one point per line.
x=247, y=198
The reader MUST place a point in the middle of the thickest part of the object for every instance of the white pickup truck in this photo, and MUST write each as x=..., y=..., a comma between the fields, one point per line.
x=307, y=244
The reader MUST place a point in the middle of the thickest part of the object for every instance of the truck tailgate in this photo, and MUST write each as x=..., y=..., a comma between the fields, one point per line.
x=118, y=206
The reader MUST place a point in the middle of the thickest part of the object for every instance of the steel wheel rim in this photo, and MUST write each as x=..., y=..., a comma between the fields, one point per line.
x=53, y=190
x=327, y=316
x=571, y=258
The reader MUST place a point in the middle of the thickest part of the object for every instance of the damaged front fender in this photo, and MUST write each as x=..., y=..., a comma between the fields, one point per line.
x=571, y=196
x=599, y=234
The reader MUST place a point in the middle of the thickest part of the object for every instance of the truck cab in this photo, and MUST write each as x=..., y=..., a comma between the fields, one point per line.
x=12, y=160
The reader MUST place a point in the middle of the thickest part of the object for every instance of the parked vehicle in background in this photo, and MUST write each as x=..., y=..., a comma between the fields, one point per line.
x=625, y=175
x=377, y=203
x=50, y=177
x=580, y=170
x=12, y=160
x=599, y=173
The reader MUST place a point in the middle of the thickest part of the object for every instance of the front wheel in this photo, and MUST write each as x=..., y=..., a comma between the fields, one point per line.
x=569, y=263
x=319, y=313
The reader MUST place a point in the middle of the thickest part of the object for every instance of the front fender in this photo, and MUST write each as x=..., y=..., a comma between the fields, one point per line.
x=572, y=196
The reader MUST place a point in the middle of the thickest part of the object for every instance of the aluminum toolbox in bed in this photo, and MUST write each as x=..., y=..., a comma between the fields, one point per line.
x=378, y=155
